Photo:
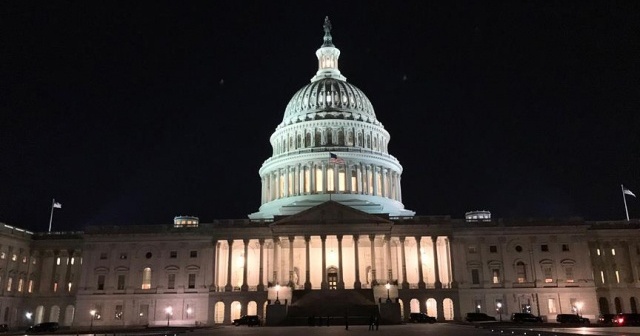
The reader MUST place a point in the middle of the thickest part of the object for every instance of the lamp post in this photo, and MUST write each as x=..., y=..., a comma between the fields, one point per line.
x=28, y=316
x=277, y=294
x=499, y=309
x=93, y=317
x=388, y=287
x=169, y=311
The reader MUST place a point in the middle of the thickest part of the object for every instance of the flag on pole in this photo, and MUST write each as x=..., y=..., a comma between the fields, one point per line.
x=333, y=158
x=57, y=205
x=628, y=192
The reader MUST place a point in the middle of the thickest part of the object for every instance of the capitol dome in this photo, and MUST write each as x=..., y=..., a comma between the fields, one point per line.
x=329, y=98
x=330, y=146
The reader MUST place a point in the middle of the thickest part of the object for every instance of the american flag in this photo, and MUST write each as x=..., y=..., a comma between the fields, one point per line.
x=335, y=159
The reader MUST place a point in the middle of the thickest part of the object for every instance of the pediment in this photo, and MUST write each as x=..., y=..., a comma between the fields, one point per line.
x=331, y=213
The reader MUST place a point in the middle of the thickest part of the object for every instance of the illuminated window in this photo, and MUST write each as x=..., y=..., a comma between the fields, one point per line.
x=341, y=180
x=73, y=260
x=496, y=276
x=3, y=255
x=319, y=182
x=24, y=259
x=146, y=278
x=568, y=271
x=330, y=181
x=602, y=276
x=20, y=285
x=354, y=181
x=69, y=286
x=551, y=304
x=613, y=251
x=598, y=251
x=30, y=286
x=14, y=257
x=55, y=286
x=9, y=283
x=521, y=272
x=617, y=276
x=58, y=261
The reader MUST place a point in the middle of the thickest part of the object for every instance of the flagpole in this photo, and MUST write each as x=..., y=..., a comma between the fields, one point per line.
x=624, y=198
x=51, y=217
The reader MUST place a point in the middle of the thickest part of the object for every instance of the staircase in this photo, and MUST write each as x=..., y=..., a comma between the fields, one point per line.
x=316, y=305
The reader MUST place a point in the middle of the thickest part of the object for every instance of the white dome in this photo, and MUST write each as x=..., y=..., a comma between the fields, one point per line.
x=329, y=98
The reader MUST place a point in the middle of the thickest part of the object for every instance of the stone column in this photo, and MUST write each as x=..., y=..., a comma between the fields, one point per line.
x=324, y=177
x=399, y=189
x=383, y=179
x=357, y=284
x=436, y=267
x=454, y=283
x=421, y=284
x=358, y=178
x=291, y=271
x=312, y=178
x=296, y=180
x=261, y=269
x=336, y=178
x=374, y=177
x=307, y=270
x=387, y=239
x=216, y=267
x=56, y=255
x=340, y=269
x=347, y=176
x=67, y=274
x=324, y=284
x=287, y=173
x=405, y=283
x=245, y=286
x=374, y=278
x=276, y=242
x=228, y=287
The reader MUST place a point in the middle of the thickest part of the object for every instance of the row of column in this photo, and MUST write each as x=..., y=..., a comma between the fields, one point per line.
x=311, y=178
x=324, y=285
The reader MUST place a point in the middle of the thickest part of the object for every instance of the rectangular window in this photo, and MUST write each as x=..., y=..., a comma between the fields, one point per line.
x=475, y=276
x=318, y=181
x=598, y=251
x=192, y=281
x=73, y=260
x=173, y=254
x=472, y=249
x=602, y=276
x=342, y=180
x=544, y=248
x=121, y=279
x=30, y=286
x=57, y=261
x=496, y=276
x=118, y=313
x=354, y=181
x=55, y=286
x=123, y=256
x=171, y=281
x=548, y=277
x=613, y=251
x=330, y=181
x=617, y=276
x=14, y=257
x=103, y=255
x=20, y=285
x=493, y=249
x=101, y=282
x=193, y=254
x=568, y=272
x=551, y=305
x=189, y=312
x=565, y=247
x=9, y=283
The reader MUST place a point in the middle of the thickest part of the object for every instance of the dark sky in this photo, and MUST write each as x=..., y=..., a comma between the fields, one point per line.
x=135, y=112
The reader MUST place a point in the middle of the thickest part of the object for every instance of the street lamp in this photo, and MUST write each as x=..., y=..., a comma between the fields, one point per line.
x=277, y=294
x=169, y=311
x=499, y=309
x=93, y=317
x=388, y=287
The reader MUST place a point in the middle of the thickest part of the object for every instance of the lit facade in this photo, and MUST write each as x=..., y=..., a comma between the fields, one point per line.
x=331, y=236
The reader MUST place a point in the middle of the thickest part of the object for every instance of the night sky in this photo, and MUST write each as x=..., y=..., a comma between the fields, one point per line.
x=135, y=112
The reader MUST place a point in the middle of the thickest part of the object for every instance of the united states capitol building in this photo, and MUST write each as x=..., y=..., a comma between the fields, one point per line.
x=330, y=238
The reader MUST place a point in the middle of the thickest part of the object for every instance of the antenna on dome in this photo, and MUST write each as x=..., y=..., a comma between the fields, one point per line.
x=327, y=33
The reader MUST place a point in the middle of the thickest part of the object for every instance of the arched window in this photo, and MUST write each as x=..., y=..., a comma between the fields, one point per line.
x=447, y=306
x=432, y=307
x=252, y=308
x=54, y=315
x=318, y=139
x=69, y=313
x=307, y=140
x=218, y=313
x=146, y=278
x=340, y=138
x=414, y=306
x=39, y=317
x=618, y=304
x=521, y=272
x=633, y=305
x=236, y=310
x=603, y=303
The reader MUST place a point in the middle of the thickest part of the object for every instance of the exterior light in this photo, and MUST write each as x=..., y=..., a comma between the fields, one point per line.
x=169, y=311
x=388, y=287
x=277, y=294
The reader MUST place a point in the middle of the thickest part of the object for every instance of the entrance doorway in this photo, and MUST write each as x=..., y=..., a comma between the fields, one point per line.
x=332, y=277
